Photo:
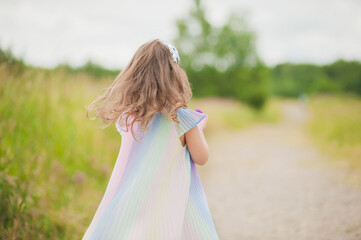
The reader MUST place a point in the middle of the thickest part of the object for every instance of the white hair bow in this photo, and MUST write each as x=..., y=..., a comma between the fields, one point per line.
x=173, y=51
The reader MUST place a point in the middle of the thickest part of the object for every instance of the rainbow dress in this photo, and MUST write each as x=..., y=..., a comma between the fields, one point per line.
x=154, y=192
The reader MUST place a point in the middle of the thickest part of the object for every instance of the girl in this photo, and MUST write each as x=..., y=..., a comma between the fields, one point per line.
x=154, y=191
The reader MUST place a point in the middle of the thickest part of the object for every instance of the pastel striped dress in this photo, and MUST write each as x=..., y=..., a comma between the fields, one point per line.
x=154, y=191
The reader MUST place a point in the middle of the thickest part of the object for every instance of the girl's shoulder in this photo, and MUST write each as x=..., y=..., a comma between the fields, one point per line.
x=120, y=124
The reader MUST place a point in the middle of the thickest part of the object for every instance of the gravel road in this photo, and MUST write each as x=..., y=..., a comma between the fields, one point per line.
x=269, y=182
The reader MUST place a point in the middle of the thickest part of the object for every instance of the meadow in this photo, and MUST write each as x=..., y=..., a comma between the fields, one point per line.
x=336, y=128
x=53, y=159
x=55, y=162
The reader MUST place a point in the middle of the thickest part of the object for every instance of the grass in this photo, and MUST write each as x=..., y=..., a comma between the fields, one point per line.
x=229, y=115
x=54, y=162
x=336, y=127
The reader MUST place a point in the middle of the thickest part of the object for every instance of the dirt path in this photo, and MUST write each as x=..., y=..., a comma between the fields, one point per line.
x=268, y=182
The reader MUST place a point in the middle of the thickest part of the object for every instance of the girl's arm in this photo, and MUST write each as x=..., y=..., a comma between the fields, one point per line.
x=197, y=145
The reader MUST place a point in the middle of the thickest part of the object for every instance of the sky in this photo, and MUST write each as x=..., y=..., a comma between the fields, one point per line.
x=108, y=32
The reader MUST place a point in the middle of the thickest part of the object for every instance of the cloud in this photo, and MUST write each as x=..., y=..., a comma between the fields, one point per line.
x=317, y=31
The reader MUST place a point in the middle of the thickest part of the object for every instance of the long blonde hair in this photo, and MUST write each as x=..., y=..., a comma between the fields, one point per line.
x=151, y=82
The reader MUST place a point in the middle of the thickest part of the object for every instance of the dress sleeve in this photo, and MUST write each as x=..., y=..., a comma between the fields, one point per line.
x=188, y=119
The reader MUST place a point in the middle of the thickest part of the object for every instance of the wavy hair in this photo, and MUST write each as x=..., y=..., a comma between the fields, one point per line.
x=151, y=82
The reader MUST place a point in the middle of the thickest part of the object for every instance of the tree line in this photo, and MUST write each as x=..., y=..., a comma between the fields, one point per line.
x=223, y=61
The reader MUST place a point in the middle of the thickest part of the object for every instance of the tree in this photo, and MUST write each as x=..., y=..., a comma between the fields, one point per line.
x=221, y=61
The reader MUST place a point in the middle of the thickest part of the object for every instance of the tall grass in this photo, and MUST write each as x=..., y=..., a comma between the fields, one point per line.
x=54, y=161
x=336, y=127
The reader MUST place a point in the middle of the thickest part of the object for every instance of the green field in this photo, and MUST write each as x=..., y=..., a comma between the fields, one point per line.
x=336, y=127
x=54, y=161
x=227, y=115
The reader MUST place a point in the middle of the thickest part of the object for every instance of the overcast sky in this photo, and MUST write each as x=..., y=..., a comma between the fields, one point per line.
x=46, y=33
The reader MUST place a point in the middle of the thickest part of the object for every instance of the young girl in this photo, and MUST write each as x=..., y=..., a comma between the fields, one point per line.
x=154, y=191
